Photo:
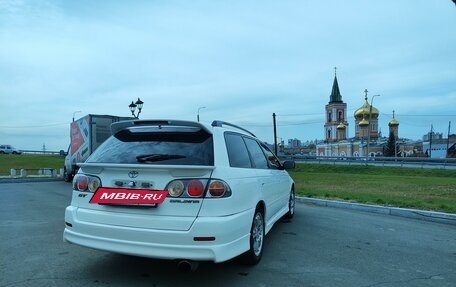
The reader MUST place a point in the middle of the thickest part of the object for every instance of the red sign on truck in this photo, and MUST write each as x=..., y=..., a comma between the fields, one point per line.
x=77, y=140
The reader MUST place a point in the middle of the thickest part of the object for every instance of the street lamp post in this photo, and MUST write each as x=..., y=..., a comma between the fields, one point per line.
x=198, y=114
x=369, y=127
x=138, y=104
x=75, y=113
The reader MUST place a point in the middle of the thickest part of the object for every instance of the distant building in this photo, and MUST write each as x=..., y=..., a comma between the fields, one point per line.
x=336, y=126
x=432, y=135
x=367, y=140
x=294, y=143
x=439, y=147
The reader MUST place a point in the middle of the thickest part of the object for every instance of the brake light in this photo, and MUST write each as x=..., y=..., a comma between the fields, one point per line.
x=82, y=182
x=87, y=183
x=195, y=188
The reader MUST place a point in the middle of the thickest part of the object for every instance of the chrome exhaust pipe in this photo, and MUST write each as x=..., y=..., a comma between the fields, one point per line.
x=187, y=266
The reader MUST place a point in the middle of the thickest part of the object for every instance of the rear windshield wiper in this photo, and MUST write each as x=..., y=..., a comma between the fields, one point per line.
x=158, y=157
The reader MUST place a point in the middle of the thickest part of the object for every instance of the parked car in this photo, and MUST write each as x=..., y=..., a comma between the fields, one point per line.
x=179, y=190
x=8, y=149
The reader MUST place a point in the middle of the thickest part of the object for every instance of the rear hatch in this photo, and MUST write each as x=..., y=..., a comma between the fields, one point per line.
x=145, y=157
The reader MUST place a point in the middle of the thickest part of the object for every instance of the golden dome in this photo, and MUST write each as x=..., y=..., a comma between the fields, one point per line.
x=365, y=110
x=363, y=122
x=393, y=122
x=341, y=126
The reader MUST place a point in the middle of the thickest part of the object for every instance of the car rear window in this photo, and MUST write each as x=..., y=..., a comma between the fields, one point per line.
x=159, y=146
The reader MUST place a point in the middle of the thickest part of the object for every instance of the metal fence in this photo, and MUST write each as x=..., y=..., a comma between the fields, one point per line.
x=47, y=152
x=414, y=162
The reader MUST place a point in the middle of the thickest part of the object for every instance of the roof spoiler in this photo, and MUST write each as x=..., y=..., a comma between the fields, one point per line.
x=118, y=126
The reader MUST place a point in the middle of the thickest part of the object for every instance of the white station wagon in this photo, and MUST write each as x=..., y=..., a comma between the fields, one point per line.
x=179, y=190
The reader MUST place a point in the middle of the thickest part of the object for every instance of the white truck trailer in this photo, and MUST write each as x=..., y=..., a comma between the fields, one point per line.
x=86, y=134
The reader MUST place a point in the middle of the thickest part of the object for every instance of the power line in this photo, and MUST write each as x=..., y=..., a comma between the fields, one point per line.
x=349, y=118
x=385, y=114
x=296, y=115
x=405, y=115
x=34, y=126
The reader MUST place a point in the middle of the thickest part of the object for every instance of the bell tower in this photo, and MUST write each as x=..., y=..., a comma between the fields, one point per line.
x=336, y=125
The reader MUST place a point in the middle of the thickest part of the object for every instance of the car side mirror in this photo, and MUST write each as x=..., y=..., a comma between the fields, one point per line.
x=289, y=164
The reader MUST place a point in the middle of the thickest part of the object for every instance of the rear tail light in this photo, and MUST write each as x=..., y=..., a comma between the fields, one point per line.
x=81, y=183
x=197, y=188
x=176, y=188
x=86, y=183
x=217, y=188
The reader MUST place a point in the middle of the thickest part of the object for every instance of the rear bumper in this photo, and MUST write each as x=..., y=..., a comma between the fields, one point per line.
x=231, y=235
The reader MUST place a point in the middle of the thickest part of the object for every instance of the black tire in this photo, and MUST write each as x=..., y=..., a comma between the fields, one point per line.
x=291, y=205
x=253, y=256
x=66, y=175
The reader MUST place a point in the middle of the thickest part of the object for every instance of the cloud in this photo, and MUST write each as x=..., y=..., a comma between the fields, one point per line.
x=242, y=60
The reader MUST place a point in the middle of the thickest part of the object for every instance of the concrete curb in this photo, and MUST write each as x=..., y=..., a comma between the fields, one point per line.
x=29, y=179
x=440, y=217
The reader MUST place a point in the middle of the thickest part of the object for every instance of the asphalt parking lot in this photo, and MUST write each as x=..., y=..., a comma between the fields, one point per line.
x=321, y=246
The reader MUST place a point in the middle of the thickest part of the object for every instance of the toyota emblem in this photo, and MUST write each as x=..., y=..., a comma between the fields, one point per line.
x=133, y=174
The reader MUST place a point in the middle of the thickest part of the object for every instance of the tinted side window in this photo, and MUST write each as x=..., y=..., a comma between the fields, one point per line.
x=272, y=159
x=237, y=151
x=256, y=153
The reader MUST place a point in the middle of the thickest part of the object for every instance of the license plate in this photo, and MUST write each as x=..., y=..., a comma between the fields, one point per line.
x=124, y=196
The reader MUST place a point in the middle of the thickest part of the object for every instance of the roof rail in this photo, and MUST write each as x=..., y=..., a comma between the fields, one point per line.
x=217, y=123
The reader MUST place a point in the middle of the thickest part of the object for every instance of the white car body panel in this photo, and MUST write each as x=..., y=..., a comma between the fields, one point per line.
x=231, y=240
x=171, y=230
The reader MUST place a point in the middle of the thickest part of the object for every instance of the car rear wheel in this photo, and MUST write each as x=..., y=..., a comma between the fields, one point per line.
x=253, y=256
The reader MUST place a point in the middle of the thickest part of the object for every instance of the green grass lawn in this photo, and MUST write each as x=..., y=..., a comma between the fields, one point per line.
x=427, y=189
x=7, y=162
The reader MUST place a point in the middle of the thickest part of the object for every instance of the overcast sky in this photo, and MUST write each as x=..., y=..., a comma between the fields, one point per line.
x=241, y=60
